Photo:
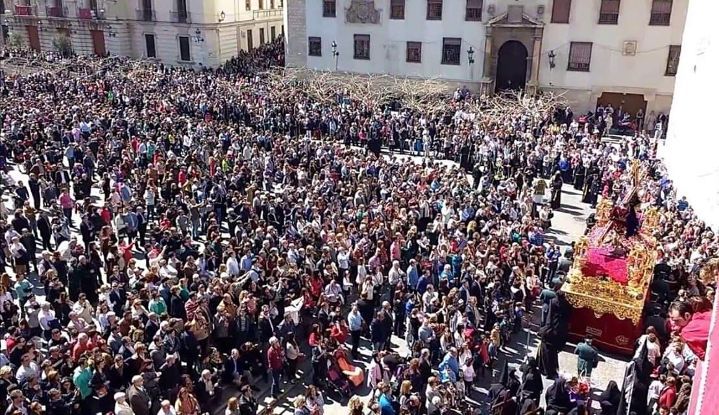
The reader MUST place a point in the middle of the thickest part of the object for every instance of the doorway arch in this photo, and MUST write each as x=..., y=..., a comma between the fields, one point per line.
x=511, y=66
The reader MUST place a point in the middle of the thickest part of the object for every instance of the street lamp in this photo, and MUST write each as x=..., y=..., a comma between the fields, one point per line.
x=222, y=17
x=470, y=55
x=551, y=57
x=198, y=38
x=335, y=54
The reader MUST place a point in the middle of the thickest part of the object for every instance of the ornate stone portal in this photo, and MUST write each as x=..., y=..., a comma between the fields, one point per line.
x=362, y=11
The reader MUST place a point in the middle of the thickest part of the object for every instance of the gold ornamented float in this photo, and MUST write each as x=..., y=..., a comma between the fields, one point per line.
x=608, y=283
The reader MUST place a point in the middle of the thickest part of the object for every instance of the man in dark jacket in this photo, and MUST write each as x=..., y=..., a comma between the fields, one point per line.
x=189, y=347
x=45, y=229
x=378, y=332
x=169, y=376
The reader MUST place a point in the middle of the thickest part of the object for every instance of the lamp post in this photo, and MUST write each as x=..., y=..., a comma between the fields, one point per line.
x=470, y=59
x=335, y=54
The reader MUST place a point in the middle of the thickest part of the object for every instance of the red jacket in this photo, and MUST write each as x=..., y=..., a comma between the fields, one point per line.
x=696, y=333
x=668, y=396
x=275, y=358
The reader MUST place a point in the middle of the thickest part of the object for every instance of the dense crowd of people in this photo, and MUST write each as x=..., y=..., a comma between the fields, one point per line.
x=197, y=231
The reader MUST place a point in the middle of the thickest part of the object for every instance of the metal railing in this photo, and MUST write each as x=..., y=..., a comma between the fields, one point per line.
x=56, y=11
x=25, y=10
x=608, y=18
x=84, y=13
x=266, y=14
x=182, y=16
x=145, y=15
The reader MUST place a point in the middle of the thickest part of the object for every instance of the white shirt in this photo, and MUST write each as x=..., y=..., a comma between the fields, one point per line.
x=233, y=267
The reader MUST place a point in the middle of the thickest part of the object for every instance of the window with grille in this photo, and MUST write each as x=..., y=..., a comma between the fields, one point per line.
x=329, y=8
x=315, y=46
x=580, y=56
x=451, y=49
x=673, y=60
x=434, y=9
x=361, y=46
x=609, y=12
x=560, y=11
x=396, y=9
x=414, y=52
x=661, y=13
x=473, y=12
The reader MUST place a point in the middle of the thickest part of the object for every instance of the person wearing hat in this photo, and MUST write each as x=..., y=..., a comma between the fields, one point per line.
x=121, y=405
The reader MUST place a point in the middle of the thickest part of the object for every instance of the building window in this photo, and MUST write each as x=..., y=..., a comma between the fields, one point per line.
x=580, y=56
x=248, y=5
x=609, y=12
x=473, y=12
x=150, y=46
x=329, y=8
x=560, y=11
x=272, y=4
x=661, y=13
x=184, y=48
x=361, y=46
x=260, y=6
x=434, y=9
x=451, y=48
x=250, y=43
x=414, y=52
x=315, y=46
x=273, y=33
x=396, y=9
x=262, y=36
x=673, y=60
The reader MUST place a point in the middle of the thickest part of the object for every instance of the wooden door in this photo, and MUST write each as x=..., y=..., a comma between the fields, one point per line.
x=33, y=37
x=98, y=42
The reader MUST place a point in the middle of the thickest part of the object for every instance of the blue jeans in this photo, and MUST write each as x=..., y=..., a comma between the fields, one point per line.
x=276, y=382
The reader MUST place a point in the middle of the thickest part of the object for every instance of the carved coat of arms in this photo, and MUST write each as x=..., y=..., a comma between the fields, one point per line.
x=362, y=11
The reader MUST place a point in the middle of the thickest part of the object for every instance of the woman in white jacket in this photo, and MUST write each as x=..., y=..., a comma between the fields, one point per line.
x=121, y=405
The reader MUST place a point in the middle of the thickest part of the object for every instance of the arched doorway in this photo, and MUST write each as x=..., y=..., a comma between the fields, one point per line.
x=511, y=66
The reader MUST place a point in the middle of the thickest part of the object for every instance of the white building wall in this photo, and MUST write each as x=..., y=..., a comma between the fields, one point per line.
x=125, y=34
x=610, y=70
x=691, y=149
x=388, y=40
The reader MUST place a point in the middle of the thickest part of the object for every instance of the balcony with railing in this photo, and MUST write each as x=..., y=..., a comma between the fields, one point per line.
x=25, y=10
x=146, y=15
x=266, y=14
x=84, y=13
x=182, y=16
x=56, y=11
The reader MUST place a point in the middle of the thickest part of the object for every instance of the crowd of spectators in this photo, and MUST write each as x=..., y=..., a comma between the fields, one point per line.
x=190, y=232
